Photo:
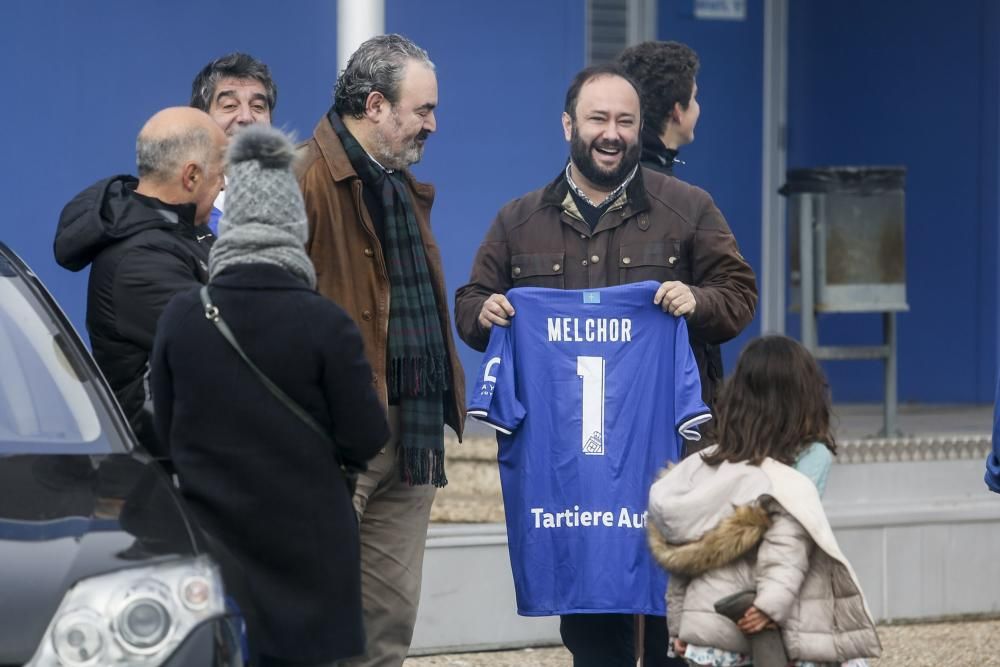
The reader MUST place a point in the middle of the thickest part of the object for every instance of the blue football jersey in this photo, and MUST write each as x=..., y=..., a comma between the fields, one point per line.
x=592, y=393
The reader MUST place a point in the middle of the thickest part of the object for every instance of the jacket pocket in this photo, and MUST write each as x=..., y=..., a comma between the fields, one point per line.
x=544, y=269
x=652, y=260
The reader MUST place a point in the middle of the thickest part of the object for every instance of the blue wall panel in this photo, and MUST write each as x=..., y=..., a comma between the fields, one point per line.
x=911, y=83
x=906, y=82
x=989, y=276
x=725, y=157
x=82, y=78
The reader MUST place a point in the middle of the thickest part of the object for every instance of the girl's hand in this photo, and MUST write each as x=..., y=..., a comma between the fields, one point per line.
x=754, y=620
x=679, y=647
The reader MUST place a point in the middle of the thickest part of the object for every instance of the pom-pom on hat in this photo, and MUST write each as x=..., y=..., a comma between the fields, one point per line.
x=265, y=218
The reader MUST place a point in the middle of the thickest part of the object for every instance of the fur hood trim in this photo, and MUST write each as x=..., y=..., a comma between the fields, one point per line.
x=734, y=536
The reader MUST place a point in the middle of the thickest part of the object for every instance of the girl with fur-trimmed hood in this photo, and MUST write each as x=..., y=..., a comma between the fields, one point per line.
x=739, y=517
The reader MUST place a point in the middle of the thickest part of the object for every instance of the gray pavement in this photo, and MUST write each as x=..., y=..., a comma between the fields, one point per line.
x=853, y=420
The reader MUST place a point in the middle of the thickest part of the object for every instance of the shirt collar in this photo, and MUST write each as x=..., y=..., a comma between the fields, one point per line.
x=610, y=198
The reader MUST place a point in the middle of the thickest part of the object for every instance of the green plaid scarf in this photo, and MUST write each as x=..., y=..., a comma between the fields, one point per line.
x=418, y=361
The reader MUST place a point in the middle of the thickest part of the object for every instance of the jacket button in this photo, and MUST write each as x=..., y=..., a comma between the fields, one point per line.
x=626, y=260
x=374, y=378
x=583, y=236
x=517, y=270
x=672, y=260
x=584, y=262
x=369, y=252
x=366, y=315
x=595, y=259
x=556, y=267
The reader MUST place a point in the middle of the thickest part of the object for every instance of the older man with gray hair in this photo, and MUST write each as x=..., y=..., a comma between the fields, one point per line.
x=370, y=239
x=145, y=240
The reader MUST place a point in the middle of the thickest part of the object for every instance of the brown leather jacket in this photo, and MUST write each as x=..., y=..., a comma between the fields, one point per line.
x=659, y=229
x=350, y=266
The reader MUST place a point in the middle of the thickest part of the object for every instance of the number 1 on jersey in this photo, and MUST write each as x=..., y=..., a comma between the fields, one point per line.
x=591, y=371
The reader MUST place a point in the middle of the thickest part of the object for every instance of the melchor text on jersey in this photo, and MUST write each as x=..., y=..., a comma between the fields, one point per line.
x=590, y=330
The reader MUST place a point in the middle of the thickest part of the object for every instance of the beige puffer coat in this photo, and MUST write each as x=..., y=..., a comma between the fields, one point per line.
x=719, y=530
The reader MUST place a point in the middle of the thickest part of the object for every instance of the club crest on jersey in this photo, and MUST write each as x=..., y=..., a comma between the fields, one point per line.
x=594, y=445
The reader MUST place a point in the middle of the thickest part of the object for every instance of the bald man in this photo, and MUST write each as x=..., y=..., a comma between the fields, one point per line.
x=145, y=240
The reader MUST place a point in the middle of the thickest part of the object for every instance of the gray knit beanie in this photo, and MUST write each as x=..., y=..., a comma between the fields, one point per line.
x=265, y=219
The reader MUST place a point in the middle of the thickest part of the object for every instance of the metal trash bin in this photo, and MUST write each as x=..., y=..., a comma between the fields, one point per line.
x=848, y=256
x=858, y=220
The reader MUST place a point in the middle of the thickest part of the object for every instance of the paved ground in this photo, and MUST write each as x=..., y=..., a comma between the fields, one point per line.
x=970, y=644
x=865, y=421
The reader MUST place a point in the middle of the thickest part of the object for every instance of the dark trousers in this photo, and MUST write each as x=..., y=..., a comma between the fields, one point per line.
x=608, y=640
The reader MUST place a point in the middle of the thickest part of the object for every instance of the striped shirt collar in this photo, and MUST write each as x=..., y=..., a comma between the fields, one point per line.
x=610, y=198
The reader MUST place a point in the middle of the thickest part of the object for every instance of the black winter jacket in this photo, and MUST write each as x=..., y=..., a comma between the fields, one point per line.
x=262, y=483
x=141, y=252
x=655, y=155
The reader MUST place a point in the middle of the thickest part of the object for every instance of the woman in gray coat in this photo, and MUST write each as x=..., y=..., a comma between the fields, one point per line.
x=737, y=517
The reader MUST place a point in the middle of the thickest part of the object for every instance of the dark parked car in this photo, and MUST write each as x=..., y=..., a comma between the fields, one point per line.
x=100, y=562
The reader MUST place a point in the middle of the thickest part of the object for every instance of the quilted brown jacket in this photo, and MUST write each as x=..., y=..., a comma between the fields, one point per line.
x=659, y=229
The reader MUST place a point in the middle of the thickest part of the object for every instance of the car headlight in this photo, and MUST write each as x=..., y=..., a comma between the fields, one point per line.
x=131, y=617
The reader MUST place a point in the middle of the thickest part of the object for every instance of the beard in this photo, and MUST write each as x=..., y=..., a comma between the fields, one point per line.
x=580, y=153
x=398, y=156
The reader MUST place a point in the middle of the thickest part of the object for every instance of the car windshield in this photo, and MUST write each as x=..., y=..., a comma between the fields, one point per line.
x=48, y=398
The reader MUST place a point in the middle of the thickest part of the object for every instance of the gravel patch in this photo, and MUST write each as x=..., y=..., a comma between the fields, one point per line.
x=527, y=657
x=473, y=491
x=968, y=644
x=964, y=644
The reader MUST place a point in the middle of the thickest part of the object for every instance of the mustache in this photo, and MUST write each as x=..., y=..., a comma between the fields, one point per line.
x=610, y=144
x=423, y=134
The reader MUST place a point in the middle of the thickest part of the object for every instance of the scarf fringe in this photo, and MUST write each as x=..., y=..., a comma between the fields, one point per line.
x=423, y=466
x=417, y=376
